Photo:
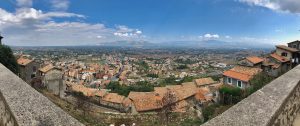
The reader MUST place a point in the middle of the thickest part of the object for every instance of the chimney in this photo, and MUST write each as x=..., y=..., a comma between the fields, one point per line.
x=1, y=39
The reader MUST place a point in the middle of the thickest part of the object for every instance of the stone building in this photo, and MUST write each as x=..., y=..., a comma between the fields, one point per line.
x=53, y=80
x=28, y=69
x=252, y=61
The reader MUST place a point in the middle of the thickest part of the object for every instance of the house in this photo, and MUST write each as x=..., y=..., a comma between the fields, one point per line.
x=113, y=100
x=45, y=69
x=294, y=44
x=28, y=69
x=252, y=61
x=291, y=54
x=145, y=101
x=204, y=82
x=53, y=81
x=276, y=65
x=240, y=76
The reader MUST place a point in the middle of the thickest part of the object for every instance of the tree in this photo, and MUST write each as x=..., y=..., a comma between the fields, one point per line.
x=258, y=81
x=230, y=95
x=8, y=59
x=168, y=105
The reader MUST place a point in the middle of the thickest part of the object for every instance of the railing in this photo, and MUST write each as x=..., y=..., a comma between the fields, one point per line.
x=276, y=104
x=21, y=105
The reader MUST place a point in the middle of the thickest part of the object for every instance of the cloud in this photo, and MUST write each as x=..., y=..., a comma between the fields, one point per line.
x=29, y=26
x=30, y=14
x=211, y=36
x=61, y=5
x=291, y=6
x=123, y=31
x=228, y=37
x=24, y=3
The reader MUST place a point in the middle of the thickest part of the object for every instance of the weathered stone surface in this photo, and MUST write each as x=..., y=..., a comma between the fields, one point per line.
x=276, y=104
x=21, y=105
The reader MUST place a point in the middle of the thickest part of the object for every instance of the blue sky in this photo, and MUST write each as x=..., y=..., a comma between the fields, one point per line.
x=82, y=22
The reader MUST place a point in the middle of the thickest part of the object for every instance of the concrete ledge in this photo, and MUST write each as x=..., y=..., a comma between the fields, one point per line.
x=26, y=106
x=275, y=104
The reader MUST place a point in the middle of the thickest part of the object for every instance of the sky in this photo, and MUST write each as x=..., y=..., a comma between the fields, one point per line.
x=92, y=22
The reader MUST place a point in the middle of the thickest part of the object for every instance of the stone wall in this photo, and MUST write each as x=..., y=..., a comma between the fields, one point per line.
x=21, y=105
x=276, y=104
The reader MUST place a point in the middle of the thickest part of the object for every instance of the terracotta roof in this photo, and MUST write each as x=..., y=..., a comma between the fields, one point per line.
x=255, y=59
x=279, y=58
x=126, y=102
x=114, y=98
x=86, y=91
x=181, y=106
x=24, y=61
x=242, y=73
x=246, y=70
x=276, y=66
x=287, y=48
x=204, y=81
x=45, y=69
x=145, y=101
x=200, y=94
x=183, y=91
x=100, y=93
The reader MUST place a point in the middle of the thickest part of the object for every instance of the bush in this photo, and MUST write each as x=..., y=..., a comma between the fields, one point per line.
x=191, y=122
x=209, y=111
x=8, y=59
x=230, y=95
x=142, y=86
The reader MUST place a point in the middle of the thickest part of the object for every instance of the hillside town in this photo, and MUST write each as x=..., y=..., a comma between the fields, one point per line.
x=147, y=84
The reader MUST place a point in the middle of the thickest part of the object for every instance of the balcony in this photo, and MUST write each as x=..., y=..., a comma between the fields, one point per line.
x=21, y=105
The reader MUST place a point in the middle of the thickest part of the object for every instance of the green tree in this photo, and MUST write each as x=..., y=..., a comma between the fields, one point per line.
x=208, y=112
x=8, y=59
x=257, y=82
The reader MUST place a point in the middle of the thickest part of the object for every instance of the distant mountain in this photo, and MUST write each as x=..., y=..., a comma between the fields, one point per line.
x=127, y=44
x=214, y=44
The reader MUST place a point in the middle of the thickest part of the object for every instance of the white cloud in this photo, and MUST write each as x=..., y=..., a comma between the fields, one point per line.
x=228, y=37
x=292, y=6
x=28, y=26
x=30, y=14
x=60, y=4
x=211, y=36
x=123, y=31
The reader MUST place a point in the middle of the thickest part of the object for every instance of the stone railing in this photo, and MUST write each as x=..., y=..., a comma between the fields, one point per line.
x=21, y=105
x=276, y=104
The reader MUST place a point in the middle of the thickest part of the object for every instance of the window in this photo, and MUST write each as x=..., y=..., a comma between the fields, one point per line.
x=284, y=54
x=229, y=81
x=239, y=84
x=32, y=76
x=34, y=68
x=295, y=46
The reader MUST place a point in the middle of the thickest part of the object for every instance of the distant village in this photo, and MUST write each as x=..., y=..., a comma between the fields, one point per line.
x=64, y=78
